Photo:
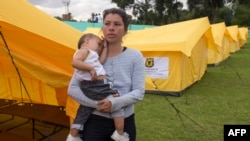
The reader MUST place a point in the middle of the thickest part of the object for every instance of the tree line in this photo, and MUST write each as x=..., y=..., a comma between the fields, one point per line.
x=161, y=12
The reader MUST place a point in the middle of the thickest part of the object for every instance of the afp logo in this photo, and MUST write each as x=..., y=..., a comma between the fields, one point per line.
x=149, y=62
x=236, y=132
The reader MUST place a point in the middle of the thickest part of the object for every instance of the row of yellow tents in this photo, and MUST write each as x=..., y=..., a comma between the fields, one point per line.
x=177, y=55
x=36, y=51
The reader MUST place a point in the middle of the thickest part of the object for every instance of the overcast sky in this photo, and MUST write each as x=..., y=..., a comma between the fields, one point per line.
x=80, y=9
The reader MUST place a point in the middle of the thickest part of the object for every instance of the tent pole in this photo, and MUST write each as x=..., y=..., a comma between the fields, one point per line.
x=17, y=70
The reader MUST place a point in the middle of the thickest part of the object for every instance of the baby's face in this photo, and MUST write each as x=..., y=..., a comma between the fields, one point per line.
x=96, y=44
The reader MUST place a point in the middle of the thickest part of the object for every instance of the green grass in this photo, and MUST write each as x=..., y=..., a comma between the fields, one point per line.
x=221, y=97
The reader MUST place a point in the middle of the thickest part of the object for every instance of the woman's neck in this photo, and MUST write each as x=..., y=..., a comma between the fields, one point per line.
x=114, y=50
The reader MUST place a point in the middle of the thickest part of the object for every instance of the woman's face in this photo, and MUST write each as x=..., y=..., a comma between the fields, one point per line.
x=113, y=28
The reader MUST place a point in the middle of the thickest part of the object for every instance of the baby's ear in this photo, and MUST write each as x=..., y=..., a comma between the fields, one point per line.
x=87, y=40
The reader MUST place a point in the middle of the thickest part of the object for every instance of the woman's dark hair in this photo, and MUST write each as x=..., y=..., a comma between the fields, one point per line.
x=84, y=37
x=121, y=12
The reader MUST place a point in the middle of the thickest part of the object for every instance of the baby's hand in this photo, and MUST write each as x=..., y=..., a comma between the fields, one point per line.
x=115, y=95
x=93, y=75
x=105, y=42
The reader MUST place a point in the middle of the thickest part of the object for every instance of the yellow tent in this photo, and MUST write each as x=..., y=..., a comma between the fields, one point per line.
x=93, y=30
x=242, y=36
x=175, y=54
x=232, y=32
x=35, y=54
x=222, y=44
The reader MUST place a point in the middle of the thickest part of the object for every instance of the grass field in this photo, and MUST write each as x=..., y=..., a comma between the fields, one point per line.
x=221, y=97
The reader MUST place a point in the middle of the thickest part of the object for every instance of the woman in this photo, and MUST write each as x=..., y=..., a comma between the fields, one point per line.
x=125, y=71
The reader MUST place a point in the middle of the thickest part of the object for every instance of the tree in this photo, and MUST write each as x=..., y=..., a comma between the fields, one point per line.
x=123, y=3
x=177, y=7
x=159, y=12
x=141, y=10
x=213, y=6
x=224, y=14
x=243, y=2
x=168, y=10
x=202, y=8
x=242, y=16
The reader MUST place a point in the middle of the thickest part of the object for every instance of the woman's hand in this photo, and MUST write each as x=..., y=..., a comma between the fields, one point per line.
x=104, y=105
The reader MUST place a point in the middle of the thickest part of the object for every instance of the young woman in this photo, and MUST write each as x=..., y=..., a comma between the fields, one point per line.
x=87, y=61
x=125, y=70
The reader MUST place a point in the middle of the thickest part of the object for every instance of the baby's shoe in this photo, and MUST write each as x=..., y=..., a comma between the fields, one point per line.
x=72, y=138
x=117, y=137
